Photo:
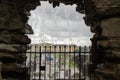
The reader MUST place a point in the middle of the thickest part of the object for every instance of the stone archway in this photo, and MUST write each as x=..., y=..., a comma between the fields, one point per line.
x=103, y=17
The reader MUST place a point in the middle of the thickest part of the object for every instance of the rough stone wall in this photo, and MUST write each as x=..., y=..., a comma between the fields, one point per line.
x=104, y=18
x=13, y=30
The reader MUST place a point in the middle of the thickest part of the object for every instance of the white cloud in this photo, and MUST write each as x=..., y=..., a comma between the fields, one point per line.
x=61, y=24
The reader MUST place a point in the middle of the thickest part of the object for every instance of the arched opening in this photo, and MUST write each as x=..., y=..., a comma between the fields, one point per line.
x=60, y=26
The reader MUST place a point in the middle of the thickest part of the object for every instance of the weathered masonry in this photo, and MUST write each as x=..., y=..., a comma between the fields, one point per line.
x=103, y=16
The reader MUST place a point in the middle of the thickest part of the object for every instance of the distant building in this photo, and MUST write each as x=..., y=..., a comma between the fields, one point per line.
x=48, y=47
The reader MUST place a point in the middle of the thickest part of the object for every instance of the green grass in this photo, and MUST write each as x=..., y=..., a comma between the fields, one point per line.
x=72, y=63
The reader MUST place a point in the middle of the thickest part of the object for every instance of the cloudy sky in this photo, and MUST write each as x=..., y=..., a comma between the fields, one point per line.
x=60, y=25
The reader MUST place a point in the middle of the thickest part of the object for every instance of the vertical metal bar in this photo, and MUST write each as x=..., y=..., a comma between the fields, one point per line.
x=55, y=62
x=50, y=60
x=45, y=63
x=30, y=61
x=82, y=62
x=89, y=61
x=79, y=62
x=70, y=63
x=85, y=61
x=74, y=62
x=64, y=60
x=40, y=63
x=60, y=62
x=50, y=64
x=35, y=62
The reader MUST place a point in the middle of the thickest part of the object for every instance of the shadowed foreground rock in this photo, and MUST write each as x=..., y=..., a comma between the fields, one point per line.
x=13, y=39
x=104, y=19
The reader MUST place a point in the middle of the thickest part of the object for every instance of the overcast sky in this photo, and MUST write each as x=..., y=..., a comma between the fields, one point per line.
x=59, y=25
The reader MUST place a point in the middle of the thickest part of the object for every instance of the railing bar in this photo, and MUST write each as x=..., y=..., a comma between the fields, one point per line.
x=59, y=62
x=89, y=62
x=40, y=63
x=30, y=62
x=55, y=63
x=50, y=64
x=69, y=63
x=80, y=62
x=74, y=63
x=85, y=62
x=64, y=60
x=45, y=64
x=35, y=62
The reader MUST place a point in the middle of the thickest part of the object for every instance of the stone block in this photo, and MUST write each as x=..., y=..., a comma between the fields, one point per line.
x=111, y=27
x=21, y=58
x=12, y=48
x=13, y=67
x=106, y=7
x=111, y=43
x=112, y=55
x=5, y=47
x=117, y=73
x=7, y=57
x=14, y=38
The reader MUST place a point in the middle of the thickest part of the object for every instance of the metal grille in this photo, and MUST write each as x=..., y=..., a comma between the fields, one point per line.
x=58, y=62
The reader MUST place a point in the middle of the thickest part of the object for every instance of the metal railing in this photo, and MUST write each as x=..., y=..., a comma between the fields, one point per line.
x=58, y=62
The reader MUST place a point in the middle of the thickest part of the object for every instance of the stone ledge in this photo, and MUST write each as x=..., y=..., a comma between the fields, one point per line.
x=7, y=57
x=103, y=8
x=13, y=67
x=111, y=43
x=13, y=48
x=105, y=72
x=12, y=38
x=110, y=27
